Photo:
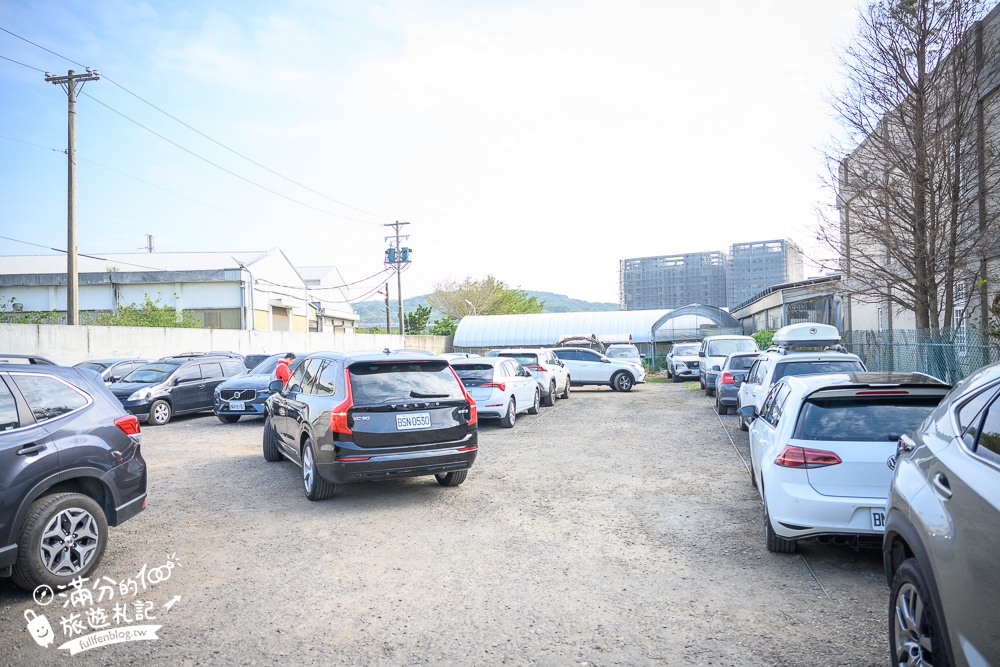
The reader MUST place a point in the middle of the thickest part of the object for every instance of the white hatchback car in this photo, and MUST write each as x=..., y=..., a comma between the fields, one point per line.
x=798, y=349
x=589, y=367
x=547, y=369
x=500, y=387
x=823, y=448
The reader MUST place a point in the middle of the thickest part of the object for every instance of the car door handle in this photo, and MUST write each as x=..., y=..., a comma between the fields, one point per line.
x=28, y=450
x=941, y=484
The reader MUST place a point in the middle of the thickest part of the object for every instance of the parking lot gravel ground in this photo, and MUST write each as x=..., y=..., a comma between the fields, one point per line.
x=611, y=529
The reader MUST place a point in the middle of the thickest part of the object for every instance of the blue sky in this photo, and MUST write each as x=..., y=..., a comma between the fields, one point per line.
x=537, y=141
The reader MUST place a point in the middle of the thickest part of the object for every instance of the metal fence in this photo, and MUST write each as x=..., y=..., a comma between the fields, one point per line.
x=949, y=354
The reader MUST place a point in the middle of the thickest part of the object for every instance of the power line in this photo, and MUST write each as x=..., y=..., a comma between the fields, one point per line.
x=22, y=64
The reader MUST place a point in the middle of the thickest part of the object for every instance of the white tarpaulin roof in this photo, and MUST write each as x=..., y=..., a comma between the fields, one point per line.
x=547, y=328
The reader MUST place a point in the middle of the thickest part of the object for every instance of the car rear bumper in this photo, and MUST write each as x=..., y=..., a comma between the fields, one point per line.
x=728, y=396
x=455, y=456
x=797, y=511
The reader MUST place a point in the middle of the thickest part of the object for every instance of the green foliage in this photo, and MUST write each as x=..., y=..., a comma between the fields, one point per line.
x=149, y=314
x=416, y=321
x=763, y=338
x=488, y=296
x=443, y=327
x=371, y=330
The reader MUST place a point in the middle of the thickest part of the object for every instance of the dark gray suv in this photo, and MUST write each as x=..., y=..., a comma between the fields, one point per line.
x=71, y=467
x=942, y=534
x=369, y=416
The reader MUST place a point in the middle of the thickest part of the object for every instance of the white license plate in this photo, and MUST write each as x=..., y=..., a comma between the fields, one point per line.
x=878, y=519
x=237, y=406
x=413, y=420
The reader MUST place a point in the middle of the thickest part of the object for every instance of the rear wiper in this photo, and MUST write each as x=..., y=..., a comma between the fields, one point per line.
x=417, y=394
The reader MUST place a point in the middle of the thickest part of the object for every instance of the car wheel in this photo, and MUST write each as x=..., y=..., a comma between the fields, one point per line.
x=565, y=393
x=774, y=542
x=315, y=486
x=550, y=400
x=701, y=381
x=229, y=419
x=743, y=425
x=533, y=410
x=507, y=421
x=451, y=478
x=159, y=413
x=914, y=635
x=271, y=451
x=719, y=407
x=709, y=391
x=63, y=538
x=622, y=381
x=676, y=378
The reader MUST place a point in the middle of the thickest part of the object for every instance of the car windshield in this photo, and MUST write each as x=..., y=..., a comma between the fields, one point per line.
x=816, y=368
x=525, y=359
x=622, y=353
x=741, y=363
x=862, y=419
x=151, y=373
x=92, y=365
x=685, y=350
x=267, y=366
x=375, y=383
x=727, y=346
x=474, y=375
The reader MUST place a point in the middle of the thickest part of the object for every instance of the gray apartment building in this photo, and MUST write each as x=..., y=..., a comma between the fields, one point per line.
x=672, y=281
x=757, y=265
x=709, y=278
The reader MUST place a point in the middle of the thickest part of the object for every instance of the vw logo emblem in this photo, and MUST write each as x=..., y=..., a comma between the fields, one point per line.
x=891, y=462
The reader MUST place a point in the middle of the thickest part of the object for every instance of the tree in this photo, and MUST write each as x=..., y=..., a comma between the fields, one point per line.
x=488, y=296
x=416, y=320
x=149, y=314
x=443, y=327
x=919, y=160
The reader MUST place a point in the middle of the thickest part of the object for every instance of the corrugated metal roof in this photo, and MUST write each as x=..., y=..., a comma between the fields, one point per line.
x=135, y=261
x=547, y=328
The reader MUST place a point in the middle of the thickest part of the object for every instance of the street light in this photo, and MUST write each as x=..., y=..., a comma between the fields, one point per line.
x=472, y=306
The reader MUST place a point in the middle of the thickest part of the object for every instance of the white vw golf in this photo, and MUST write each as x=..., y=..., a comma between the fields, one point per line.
x=822, y=452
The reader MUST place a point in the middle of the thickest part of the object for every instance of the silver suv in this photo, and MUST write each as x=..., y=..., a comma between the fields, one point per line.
x=941, y=538
x=800, y=349
x=547, y=369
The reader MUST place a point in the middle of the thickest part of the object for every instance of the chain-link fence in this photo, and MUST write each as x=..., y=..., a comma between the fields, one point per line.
x=949, y=354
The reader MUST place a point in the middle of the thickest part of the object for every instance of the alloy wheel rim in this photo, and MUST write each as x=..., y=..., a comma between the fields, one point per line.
x=160, y=412
x=308, y=469
x=69, y=542
x=913, y=646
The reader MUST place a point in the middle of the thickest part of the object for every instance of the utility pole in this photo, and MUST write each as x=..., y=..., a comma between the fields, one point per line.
x=397, y=257
x=388, y=324
x=69, y=84
x=149, y=243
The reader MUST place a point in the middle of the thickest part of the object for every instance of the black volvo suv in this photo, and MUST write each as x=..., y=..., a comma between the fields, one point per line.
x=71, y=467
x=368, y=416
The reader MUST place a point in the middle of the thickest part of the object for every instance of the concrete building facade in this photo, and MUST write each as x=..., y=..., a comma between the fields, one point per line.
x=757, y=265
x=672, y=281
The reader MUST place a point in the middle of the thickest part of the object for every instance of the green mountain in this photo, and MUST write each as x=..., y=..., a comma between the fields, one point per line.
x=373, y=312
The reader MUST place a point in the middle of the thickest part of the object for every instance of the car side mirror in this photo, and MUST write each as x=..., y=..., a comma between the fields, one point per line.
x=274, y=386
x=717, y=367
x=748, y=412
x=642, y=356
x=605, y=360
x=700, y=353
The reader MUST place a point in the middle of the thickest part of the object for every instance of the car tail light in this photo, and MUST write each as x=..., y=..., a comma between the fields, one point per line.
x=129, y=424
x=727, y=378
x=352, y=459
x=469, y=448
x=499, y=385
x=338, y=414
x=802, y=457
x=473, y=411
x=536, y=368
x=883, y=392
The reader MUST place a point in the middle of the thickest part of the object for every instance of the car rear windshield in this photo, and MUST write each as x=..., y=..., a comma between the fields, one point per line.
x=474, y=375
x=92, y=365
x=151, y=373
x=267, y=366
x=723, y=348
x=741, y=363
x=862, y=419
x=381, y=382
x=525, y=359
x=816, y=368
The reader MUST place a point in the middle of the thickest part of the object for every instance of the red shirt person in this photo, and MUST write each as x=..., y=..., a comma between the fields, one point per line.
x=282, y=372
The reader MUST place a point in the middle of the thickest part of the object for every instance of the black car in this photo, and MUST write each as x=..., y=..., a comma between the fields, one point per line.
x=174, y=386
x=941, y=531
x=244, y=396
x=71, y=467
x=369, y=416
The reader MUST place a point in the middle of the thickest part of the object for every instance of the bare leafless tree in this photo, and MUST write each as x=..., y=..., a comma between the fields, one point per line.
x=914, y=175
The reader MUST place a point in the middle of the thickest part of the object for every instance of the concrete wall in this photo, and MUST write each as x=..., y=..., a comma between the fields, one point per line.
x=71, y=345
